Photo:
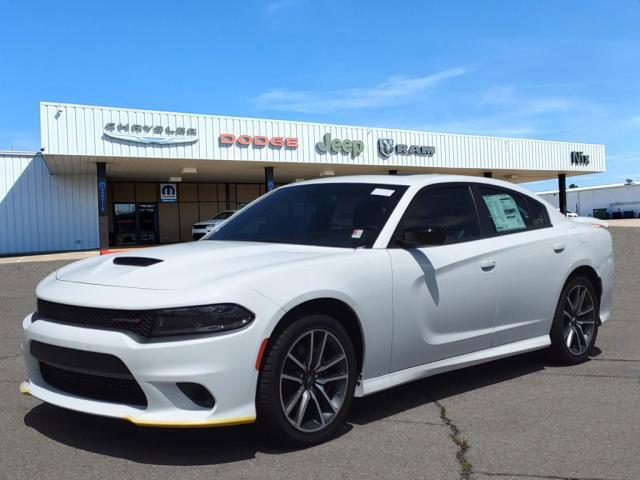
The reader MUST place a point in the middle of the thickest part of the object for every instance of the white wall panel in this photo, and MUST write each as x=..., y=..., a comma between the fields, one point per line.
x=44, y=212
x=612, y=197
x=79, y=130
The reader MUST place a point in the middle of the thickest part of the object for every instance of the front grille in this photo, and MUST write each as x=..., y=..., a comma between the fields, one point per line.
x=97, y=376
x=139, y=322
x=200, y=225
x=104, y=389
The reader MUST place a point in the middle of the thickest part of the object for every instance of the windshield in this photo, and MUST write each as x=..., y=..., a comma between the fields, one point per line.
x=348, y=215
x=223, y=215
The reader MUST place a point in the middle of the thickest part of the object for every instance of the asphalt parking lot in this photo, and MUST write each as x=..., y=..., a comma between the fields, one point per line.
x=519, y=418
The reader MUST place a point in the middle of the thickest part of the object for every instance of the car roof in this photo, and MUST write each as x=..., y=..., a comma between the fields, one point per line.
x=418, y=180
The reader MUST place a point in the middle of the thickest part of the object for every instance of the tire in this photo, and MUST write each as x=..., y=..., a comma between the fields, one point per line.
x=577, y=316
x=325, y=391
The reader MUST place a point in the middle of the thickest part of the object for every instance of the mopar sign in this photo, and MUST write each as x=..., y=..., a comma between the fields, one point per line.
x=102, y=197
x=168, y=192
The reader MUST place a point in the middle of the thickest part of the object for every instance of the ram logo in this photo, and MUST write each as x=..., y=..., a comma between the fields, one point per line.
x=386, y=146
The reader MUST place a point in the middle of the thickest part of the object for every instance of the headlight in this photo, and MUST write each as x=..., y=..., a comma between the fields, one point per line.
x=203, y=319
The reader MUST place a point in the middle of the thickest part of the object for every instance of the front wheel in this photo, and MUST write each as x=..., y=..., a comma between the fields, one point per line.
x=307, y=381
x=575, y=325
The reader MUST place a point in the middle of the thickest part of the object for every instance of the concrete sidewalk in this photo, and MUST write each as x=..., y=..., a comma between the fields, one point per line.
x=66, y=256
x=624, y=222
x=50, y=257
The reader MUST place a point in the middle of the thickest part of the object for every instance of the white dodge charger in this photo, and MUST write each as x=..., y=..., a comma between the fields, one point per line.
x=318, y=292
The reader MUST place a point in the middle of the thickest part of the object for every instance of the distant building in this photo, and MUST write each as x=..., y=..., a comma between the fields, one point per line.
x=616, y=199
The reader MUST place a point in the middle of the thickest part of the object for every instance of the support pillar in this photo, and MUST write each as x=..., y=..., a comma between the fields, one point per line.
x=268, y=178
x=103, y=213
x=562, y=192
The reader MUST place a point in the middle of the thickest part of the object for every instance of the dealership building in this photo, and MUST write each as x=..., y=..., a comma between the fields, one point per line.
x=114, y=177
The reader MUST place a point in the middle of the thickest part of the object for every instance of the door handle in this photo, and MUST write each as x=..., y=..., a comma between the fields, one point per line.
x=558, y=247
x=487, y=265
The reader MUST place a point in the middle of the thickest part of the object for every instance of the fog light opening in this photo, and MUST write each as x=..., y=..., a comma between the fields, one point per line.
x=197, y=394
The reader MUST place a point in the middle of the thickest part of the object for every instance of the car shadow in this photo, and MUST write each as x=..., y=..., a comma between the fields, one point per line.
x=182, y=447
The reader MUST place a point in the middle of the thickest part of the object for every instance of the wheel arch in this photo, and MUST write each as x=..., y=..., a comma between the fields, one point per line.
x=589, y=272
x=335, y=308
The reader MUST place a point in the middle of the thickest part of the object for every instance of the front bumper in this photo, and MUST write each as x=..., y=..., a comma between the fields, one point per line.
x=224, y=364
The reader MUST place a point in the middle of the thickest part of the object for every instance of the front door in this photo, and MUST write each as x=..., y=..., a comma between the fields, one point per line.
x=135, y=223
x=444, y=297
x=147, y=219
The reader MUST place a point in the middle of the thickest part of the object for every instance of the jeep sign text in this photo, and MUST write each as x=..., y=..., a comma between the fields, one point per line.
x=354, y=147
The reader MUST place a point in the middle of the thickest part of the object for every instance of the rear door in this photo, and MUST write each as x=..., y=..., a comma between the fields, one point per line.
x=534, y=257
x=444, y=297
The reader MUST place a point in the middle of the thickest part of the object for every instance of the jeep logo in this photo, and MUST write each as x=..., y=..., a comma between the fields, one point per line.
x=354, y=147
x=579, y=158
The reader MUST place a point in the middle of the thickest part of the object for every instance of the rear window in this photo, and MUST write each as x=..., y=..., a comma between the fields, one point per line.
x=505, y=213
x=538, y=213
x=509, y=211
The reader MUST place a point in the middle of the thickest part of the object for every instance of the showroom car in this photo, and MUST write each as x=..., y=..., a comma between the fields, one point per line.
x=201, y=228
x=318, y=292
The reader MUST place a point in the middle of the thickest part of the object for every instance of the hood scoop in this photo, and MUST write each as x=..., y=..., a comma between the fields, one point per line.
x=136, y=261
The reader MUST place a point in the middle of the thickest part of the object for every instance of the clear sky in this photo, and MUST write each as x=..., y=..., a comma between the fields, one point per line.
x=565, y=70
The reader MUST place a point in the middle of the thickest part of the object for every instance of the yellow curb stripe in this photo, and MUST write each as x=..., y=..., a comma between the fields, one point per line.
x=223, y=422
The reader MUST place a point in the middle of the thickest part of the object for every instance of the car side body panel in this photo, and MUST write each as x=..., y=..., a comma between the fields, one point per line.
x=444, y=301
x=534, y=265
x=362, y=280
x=592, y=246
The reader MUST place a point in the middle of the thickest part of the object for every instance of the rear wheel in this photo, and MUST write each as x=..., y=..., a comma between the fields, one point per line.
x=575, y=326
x=307, y=381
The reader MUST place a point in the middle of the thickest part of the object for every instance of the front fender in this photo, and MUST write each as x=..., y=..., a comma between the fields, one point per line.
x=361, y=280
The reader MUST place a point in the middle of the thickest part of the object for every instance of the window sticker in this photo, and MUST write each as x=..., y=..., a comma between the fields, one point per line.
x=504, y=212
x=357, y=233
x=382, y=192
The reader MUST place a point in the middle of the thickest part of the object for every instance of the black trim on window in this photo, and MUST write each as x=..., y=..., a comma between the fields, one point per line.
x=396, y=234
x=487, y=226
x=545, y=212
x=483, y=219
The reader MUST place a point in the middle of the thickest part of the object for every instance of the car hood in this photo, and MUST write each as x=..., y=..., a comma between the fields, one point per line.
x=188, y=265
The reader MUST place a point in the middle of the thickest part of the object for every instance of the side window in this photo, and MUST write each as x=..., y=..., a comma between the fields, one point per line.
x=507, y=212
x=450, y=208
x=538, y=212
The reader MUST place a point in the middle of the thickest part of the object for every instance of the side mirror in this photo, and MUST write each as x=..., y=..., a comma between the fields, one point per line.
x=414, y=237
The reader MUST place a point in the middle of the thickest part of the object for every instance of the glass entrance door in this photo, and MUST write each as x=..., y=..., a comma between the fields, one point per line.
x=124, y=224
x=147, y=216
x=135, y=223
